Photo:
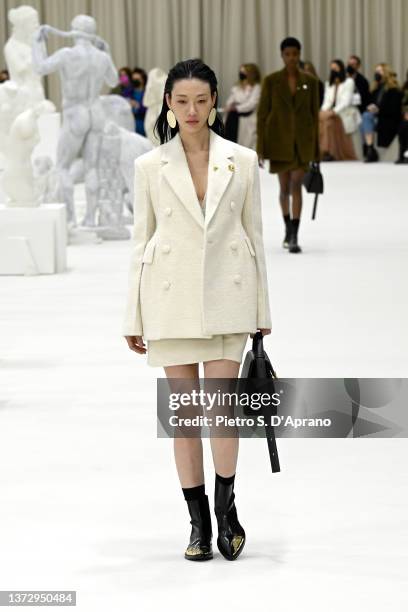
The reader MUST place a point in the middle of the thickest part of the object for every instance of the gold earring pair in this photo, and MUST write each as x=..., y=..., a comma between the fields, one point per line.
x=171, y=117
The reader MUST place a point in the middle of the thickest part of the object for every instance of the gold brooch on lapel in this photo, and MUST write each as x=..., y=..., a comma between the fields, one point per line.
x=231, y=167
x=215, y=168
x=304, y=86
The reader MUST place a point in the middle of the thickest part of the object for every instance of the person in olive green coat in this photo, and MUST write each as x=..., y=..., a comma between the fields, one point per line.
x=288, y=132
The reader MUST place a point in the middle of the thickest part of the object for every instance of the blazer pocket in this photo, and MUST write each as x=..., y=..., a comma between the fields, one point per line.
x=250, y=247
x=148, y=253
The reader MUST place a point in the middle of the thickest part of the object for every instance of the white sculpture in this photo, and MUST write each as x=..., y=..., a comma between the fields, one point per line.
x=118, y=110
x=18, y=54
x=18, y=178
x=153, y=100
x=120, y=147
x=83, y=69
x=12, y=103
x=46, y=180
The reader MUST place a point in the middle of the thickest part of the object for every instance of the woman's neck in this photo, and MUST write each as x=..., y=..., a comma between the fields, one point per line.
x=292, y=71
x=195, y=143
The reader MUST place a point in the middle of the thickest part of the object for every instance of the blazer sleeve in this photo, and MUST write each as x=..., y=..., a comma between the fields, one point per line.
x=252, y=223
x=345, y=96
x=315, y=101
x=251, y=102
x=264, y=108
x=328, y=97
x=143, y=228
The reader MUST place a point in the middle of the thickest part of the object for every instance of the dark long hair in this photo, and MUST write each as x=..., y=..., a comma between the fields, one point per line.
x=342, y=73
x=187, y=69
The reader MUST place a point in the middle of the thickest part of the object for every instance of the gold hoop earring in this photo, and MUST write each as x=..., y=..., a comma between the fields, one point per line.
x=171, y=118
x=212, y=116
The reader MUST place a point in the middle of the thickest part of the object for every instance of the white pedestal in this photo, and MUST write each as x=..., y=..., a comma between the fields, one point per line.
x=33, y=240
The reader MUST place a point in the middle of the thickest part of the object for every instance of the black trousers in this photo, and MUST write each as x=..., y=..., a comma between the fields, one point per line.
x=403, y=138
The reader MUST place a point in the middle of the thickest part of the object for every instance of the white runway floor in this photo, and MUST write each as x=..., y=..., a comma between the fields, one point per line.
x=89, y=497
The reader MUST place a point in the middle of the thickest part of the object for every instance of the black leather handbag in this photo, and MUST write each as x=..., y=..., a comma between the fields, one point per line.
x=313, y=182
x=258, y=374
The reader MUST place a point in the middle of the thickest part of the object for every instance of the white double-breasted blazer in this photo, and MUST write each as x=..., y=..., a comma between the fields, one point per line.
x=193, y=276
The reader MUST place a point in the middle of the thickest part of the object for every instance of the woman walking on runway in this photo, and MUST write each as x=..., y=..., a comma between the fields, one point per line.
x=288, y=132
x=198, y=282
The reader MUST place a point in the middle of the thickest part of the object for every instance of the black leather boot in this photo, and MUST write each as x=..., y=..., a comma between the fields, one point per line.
x=286, y=239
x=231, y=534
x=200, y=546
x=372, y=154
x=293, y=241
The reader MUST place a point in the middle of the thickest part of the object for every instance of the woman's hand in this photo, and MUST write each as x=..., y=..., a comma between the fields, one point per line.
x=264, y=331
x=373, y=108
x=261, y=162
x=135, y=343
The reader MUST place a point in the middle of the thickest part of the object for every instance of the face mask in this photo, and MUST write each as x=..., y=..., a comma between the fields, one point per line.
x=242, y=76
x=377, y=77
x=334, y=74
x=124, y=79
x=136, y=82
x=350, y=70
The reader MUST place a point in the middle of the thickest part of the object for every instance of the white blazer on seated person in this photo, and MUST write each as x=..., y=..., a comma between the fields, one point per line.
x=349, y=114
x=192, y=275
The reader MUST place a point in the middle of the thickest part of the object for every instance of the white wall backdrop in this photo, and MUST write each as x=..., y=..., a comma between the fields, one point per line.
x=225, y=33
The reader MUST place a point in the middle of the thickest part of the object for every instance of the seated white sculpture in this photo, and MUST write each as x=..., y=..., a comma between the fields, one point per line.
x=18, y=178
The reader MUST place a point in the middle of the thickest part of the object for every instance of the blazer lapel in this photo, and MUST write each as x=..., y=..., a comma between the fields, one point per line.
x=177, y=173
x=283, y=88
x=302, y=93
x=220, y=172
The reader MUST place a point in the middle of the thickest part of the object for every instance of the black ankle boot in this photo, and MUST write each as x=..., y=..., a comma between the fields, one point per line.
x=231, y=534
x=372, y=154
x=200, y=546
x=293, y=241
x=286, y=239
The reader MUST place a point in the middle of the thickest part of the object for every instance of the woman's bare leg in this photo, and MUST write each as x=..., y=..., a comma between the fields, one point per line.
x=296, y=178
x=188, y=452
x=284, y=194
x=224, y=450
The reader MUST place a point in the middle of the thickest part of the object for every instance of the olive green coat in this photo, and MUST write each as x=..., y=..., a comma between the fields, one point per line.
x=283, y=119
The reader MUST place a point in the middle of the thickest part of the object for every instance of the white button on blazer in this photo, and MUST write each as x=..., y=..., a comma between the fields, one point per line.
x=193, y=275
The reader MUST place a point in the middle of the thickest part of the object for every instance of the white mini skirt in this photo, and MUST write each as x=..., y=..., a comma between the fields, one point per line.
x=181, y=351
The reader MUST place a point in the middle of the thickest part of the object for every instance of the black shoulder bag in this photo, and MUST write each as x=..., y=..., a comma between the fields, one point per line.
x=258, y=369
x=313, y=182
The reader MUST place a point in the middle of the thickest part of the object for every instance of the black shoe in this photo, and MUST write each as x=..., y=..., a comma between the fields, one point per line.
x=231, y=534
x=372, y=154
x=327, y=157
x=286, y=239
x=200, y=546
x=293, y=241
x=365, y=149
x=401, y=160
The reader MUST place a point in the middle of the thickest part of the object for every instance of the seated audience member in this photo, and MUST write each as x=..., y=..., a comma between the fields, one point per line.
x=362, y=86
x=310, y=69
x=125, y=87
x=383, y=114
x=139, y=80
x=403, y=128
x=4, y=76
x=338, y=118
x=241, y=106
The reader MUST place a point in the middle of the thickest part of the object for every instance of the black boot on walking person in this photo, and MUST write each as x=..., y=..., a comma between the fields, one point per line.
x=231, y=534
x=372, y=154
x=293, y=240
x=288, y=226
x=200, y=545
